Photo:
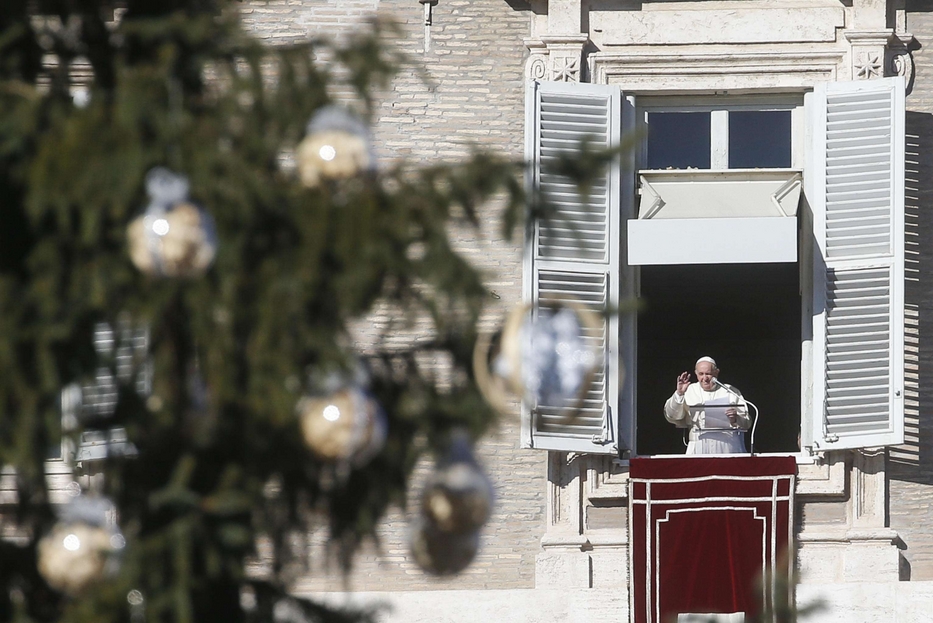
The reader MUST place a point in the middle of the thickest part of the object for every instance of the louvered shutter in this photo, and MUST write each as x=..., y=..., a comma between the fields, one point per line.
x=856, y=192
x=575, y=253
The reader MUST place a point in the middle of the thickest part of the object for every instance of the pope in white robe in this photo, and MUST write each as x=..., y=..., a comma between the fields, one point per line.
x=723, y=432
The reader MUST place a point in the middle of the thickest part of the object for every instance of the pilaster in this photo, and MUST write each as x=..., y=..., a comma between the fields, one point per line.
x=861, y=548
x=867, y=53
x=558, y=53
x=563, y=563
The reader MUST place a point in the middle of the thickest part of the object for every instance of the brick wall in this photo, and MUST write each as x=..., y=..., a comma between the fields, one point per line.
x=911, y=466
x=475, y=97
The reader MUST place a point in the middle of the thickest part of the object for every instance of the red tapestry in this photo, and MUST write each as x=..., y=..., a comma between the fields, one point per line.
x=709, y=534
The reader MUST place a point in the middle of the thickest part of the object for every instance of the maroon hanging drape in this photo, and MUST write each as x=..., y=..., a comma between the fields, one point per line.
x=709, y=534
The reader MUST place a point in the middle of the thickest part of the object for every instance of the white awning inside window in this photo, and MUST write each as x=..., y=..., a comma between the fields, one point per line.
x=715, y=217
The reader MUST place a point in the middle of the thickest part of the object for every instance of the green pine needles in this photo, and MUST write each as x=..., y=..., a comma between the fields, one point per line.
x=89, y=104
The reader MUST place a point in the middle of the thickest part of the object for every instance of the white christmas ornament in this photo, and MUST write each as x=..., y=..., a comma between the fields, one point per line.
x=174, y=237
x=81, y=548
x=337, y=145
x=547, y=359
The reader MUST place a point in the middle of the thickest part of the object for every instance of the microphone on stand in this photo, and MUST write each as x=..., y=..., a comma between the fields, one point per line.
x=725, y=387
x=718, y=383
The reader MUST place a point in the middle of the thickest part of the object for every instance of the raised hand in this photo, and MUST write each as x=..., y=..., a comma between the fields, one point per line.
x=683, y=381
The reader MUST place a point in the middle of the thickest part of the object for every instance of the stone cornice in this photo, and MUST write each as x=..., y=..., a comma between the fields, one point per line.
x=868, y=36
x=782, y=70
x=534, y=44
x=580, y=39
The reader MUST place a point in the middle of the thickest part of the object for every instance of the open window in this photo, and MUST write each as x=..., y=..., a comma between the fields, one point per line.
x=716, y=242
x=798, y=290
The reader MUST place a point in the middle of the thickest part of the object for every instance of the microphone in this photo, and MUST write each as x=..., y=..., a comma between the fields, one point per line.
x=725, y=387
x=718, y=383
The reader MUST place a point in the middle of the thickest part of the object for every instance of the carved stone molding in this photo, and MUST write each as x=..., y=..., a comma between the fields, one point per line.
x=724, y=71
x=557, y=58
x=899, y=59
x=606, y=479
x=901, y=63
x=869, y=488
x=564, y=500
x=536, y=66
x=868, y=53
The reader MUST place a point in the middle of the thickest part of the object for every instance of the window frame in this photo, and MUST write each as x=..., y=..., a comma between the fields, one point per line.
x=719, y=106
x=804, y=140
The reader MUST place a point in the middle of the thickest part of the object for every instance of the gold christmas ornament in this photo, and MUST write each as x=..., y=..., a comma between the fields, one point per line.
x=72, y=557
x=80, y=549
x=336, y=146
x=346, y=425
x=545, y=356
x=441, y=553
x=174, y=237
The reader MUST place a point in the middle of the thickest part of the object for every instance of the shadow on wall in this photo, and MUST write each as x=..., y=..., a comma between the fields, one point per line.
x=913, y=461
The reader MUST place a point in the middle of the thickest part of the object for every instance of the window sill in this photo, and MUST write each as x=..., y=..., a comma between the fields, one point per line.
x=607, y=478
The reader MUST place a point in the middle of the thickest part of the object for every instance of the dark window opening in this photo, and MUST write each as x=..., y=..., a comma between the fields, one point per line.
x=747, y=317
x=678, y=140
x=759, y=139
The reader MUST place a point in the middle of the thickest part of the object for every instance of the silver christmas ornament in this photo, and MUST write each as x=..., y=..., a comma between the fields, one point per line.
x=82, y=547
x=337, y=145
x=549, y=357
x=458, y=497
x=441, y=553
x=174, y=237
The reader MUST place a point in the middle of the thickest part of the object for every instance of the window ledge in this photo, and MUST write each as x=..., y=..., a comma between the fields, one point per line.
x=608, y=478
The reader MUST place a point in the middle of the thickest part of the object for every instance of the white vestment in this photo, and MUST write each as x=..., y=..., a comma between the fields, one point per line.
x=689, y=411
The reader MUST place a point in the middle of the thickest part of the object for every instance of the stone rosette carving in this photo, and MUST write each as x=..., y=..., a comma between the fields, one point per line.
x=565, y=69
x=868, y=65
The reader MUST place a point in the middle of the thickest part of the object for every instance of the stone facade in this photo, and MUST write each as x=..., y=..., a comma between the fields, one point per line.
x=471, y=92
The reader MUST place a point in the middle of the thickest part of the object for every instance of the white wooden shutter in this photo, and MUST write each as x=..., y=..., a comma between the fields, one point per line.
x=575, y=254
x=856, y=192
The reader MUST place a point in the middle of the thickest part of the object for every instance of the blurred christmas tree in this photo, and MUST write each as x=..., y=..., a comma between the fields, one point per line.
x=181, y=257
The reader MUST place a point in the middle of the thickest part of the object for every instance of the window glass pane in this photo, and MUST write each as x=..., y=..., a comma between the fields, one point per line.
x=677, y=140
x=759, y=139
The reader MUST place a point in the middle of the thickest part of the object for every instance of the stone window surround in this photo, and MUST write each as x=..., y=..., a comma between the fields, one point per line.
x=853, y=478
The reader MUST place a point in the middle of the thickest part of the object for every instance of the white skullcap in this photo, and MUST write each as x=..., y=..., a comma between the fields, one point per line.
x=707, y=360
